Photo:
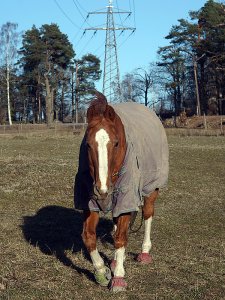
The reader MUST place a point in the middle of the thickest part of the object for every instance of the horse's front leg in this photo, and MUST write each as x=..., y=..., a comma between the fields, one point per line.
x=120, y=241
x=102, y=273
x=148, y=212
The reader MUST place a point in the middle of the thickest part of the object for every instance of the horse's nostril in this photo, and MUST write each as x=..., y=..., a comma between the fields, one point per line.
x=103, y=193
x=97, y=189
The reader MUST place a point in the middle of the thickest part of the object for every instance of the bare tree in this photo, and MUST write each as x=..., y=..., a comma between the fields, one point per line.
x=9, y=39
x=130, y=89
x=144, y=81
x=142, y=84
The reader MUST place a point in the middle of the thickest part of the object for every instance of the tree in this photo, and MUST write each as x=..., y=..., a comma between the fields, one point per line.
x=211, y=51
x=174, y=67
x=46, y=55
x=58, y=54
x=201, y=44
x=87, y=73
x=130, y=89
x=9, y=39
x=144, y=81
x=185, y=37
x=32, y=55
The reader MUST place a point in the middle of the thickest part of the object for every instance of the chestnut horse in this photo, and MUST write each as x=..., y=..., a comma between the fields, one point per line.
x=112, y=176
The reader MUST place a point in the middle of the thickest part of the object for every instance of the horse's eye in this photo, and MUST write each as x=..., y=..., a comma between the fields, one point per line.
x=116, y=144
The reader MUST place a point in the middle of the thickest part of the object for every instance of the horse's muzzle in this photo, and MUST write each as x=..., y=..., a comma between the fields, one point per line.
x=100, y=195
x=103, y=199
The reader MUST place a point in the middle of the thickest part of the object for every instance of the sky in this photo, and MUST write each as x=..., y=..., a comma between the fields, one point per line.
x=152, y=20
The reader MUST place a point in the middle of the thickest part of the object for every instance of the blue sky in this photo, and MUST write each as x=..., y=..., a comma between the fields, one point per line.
x=153, y=20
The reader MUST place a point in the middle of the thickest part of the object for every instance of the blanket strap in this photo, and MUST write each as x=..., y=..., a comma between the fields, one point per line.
x=120, y=172
x=132, y=221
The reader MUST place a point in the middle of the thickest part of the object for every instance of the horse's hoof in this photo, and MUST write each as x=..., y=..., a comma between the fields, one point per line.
x=113, y=265
x=103, y=279
x=118, y=284
x=144, y=258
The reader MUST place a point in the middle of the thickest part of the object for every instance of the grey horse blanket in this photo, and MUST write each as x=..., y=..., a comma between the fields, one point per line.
x=145, y=166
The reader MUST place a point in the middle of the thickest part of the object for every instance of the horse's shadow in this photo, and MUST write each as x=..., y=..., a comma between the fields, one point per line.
x=56, y=229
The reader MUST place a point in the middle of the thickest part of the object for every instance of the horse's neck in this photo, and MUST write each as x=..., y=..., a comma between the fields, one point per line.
x=121, y=130
x=122, y=141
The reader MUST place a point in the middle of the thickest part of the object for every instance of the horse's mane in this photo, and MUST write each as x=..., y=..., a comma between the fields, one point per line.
x=99, y=103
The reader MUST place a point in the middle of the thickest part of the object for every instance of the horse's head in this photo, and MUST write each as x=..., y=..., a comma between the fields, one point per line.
x=106, y=145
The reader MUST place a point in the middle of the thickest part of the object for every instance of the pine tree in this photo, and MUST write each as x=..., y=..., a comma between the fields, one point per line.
x=46, y=53
x=201, y=42
x=87, y=73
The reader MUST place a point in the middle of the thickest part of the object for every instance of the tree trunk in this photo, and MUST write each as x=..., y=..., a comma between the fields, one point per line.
x=146, y=97
x=8, y=95
x=34, y=109
x=39, y=108
x=203, y=98
x=49, y=102
x=76, y=96
x=76, y=103
x=178, y=99
x=198, y=110
x=73, y=102
x=146, y=89
x=175, y=105
x=62, y=103
x=39, y=99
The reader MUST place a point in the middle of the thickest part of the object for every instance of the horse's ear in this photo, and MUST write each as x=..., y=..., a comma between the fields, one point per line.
x=97, y=107
x=110, y=113
x=90, y=113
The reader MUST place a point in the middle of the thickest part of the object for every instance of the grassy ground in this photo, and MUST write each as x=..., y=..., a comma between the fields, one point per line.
x=41, y=252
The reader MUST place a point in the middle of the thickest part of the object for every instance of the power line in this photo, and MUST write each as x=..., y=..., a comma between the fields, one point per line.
x=85, y=19
x=81, y=28
x=88, y=42
x=126, y=39
x=119, y=14
x=63, y=12
x=81, y=6
x=78, y=42
x=78, y=9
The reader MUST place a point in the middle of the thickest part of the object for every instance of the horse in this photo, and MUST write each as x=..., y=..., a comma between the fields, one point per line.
x=123, y=162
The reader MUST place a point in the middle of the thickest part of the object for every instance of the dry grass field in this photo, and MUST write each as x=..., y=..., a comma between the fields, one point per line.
x=41, y=252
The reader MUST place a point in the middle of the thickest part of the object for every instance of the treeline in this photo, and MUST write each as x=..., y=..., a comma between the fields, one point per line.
x=190, y=72
x=43, y=81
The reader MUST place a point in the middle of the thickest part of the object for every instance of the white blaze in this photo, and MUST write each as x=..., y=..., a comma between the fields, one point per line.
x=102, y=138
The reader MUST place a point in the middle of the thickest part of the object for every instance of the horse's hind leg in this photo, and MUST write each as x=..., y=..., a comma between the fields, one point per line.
x=148, y=212
x=102, y=273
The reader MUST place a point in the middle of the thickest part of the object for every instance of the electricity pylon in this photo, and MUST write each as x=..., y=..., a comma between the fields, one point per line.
x=111, y=75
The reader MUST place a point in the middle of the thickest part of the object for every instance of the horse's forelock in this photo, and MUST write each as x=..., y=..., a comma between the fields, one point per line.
x=99, y=103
